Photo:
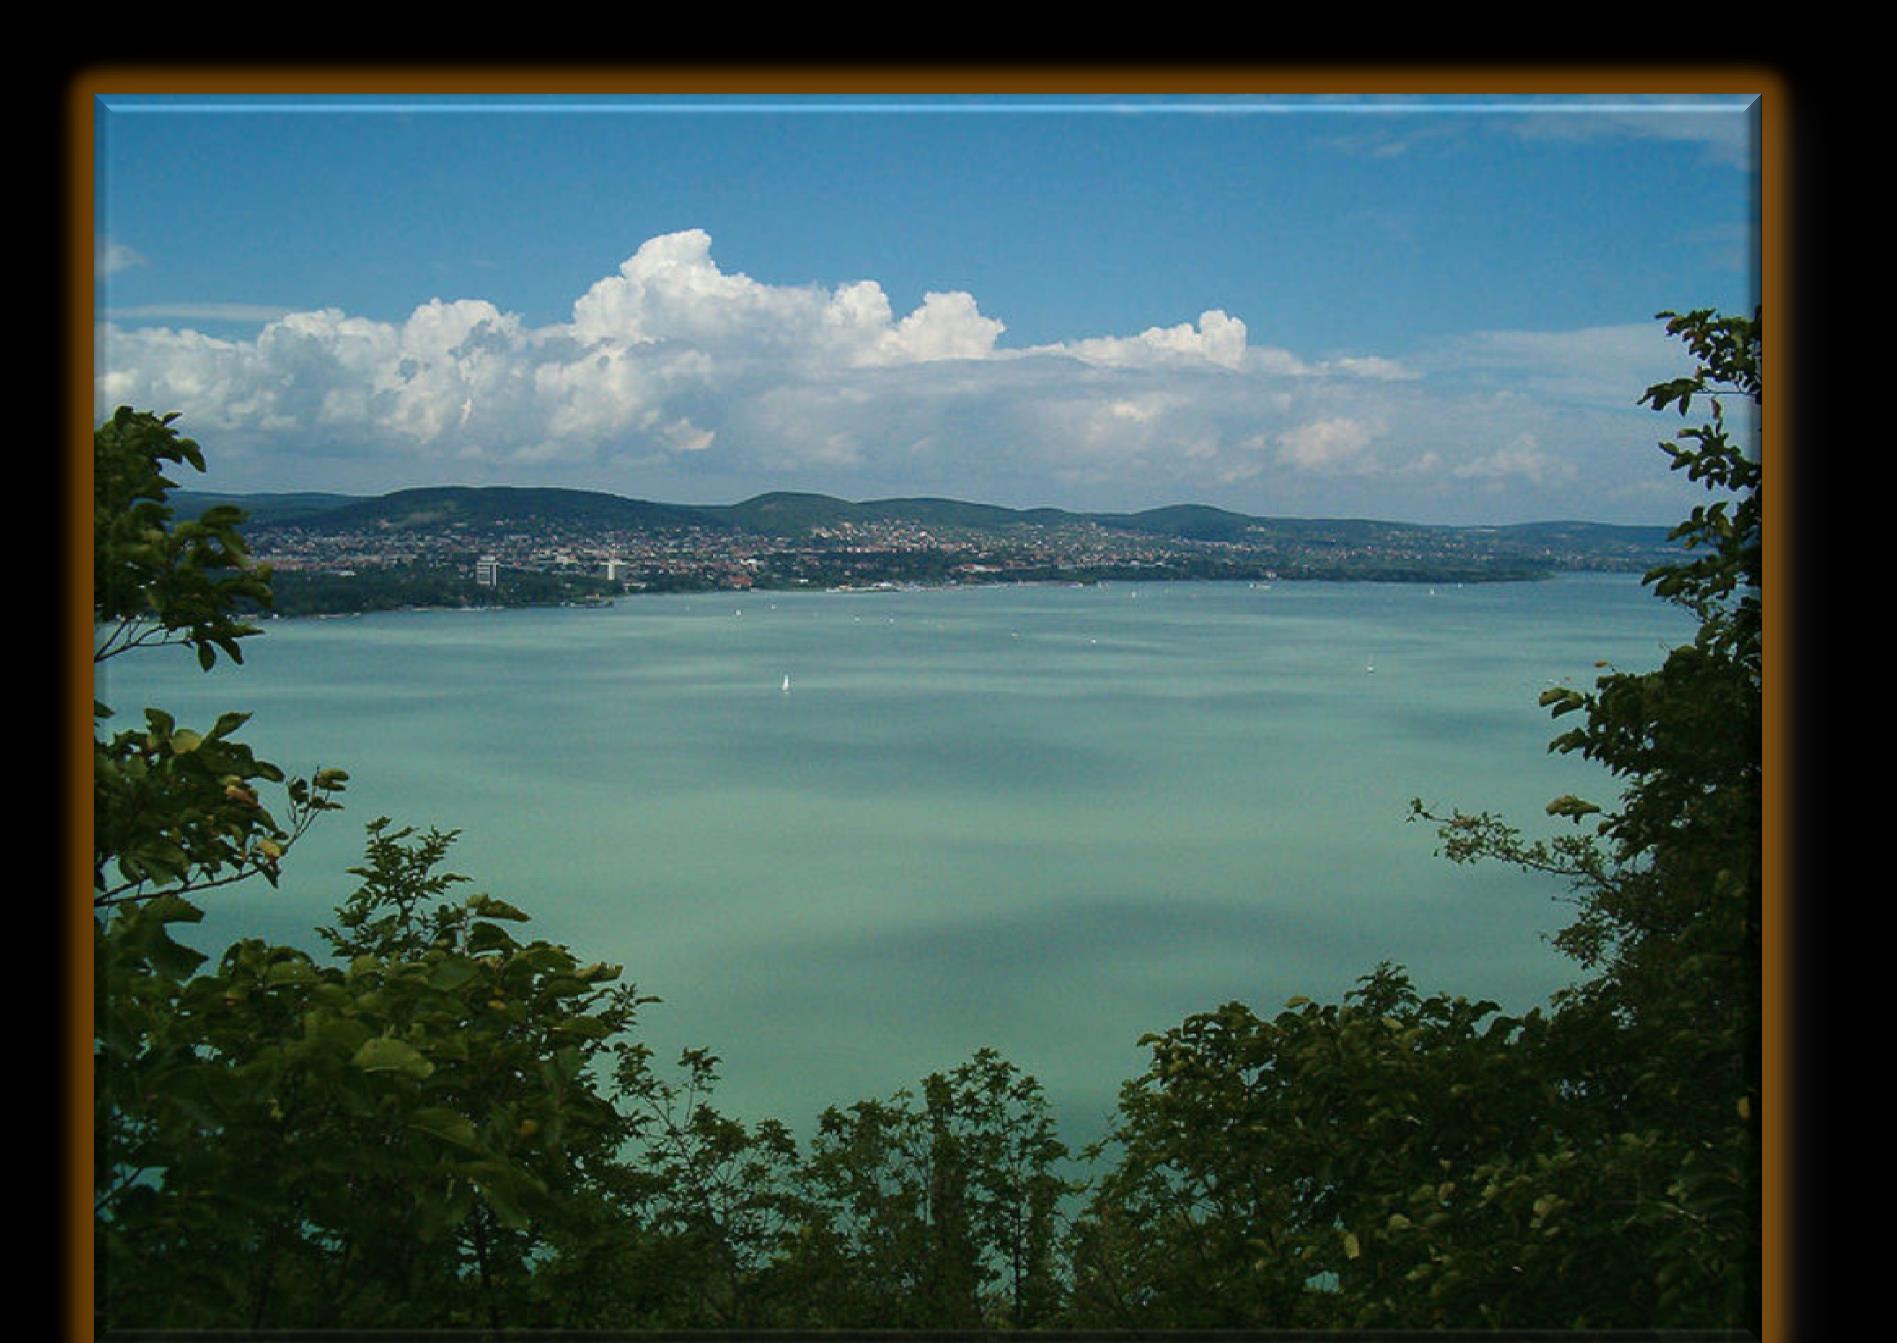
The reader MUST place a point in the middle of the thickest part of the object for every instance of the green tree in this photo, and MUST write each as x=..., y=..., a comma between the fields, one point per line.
x=1667, y=879
x=1009, y=1132
x=942, y=1215
x=718, y=1203
x=384, y=1140
x=403, y=1137
x=176, y=810
x=1330, y=1167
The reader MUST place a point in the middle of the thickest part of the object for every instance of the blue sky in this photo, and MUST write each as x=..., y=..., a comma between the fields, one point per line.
x=1436, y=310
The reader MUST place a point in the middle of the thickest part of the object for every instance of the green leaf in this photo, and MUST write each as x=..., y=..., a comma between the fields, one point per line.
x=451, y=974
x=488, y=907
x=1569, y=805
x=1567, y=698
x=590, y=1028
x=226, y=724
x=340, y=1033
x=291, y=972
x=490, y=937
x=386, y=1054
x=447, y=1125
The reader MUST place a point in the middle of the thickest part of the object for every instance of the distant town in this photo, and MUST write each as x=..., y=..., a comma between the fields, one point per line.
x=498, y=546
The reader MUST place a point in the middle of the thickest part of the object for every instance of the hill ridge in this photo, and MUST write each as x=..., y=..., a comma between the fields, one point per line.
x=793, y=512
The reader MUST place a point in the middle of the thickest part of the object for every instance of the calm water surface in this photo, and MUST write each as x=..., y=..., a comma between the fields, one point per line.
x=1044, y=819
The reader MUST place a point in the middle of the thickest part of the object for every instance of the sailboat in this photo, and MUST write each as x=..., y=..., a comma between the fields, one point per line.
x=1370, y=665
x=786, y=686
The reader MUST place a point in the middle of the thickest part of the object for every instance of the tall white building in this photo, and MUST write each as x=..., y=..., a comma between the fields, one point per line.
x=487, y=571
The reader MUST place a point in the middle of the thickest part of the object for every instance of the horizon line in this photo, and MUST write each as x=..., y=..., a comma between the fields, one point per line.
x=936, y=498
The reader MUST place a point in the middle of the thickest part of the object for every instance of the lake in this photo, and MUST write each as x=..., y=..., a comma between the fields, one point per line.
x=1044, y=819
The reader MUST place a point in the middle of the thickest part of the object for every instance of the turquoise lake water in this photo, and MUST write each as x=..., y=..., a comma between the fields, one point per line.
x=1042, y=819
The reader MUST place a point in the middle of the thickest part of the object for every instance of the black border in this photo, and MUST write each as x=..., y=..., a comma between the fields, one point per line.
x=1800, y=328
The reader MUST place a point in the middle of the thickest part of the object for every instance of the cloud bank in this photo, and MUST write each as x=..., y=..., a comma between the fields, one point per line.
x=673, y=377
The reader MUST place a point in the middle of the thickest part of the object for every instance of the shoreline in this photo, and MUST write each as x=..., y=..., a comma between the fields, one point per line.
x=881, y=589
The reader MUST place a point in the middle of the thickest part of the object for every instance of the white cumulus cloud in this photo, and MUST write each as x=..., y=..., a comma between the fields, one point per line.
x=671, y=291
x=1326, y=445
x=673, y=377
x=1218, y=339
x=1521, y=457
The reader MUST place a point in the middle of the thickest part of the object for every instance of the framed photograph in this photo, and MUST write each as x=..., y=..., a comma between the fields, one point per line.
x=762, y=707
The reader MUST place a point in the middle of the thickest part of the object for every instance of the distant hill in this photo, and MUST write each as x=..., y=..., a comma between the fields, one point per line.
x=490, y=506
x=262, y=508
x=1195, y=522
x=955, y=513
x=796, y=514
x=1588, y=535
x=785, y=513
